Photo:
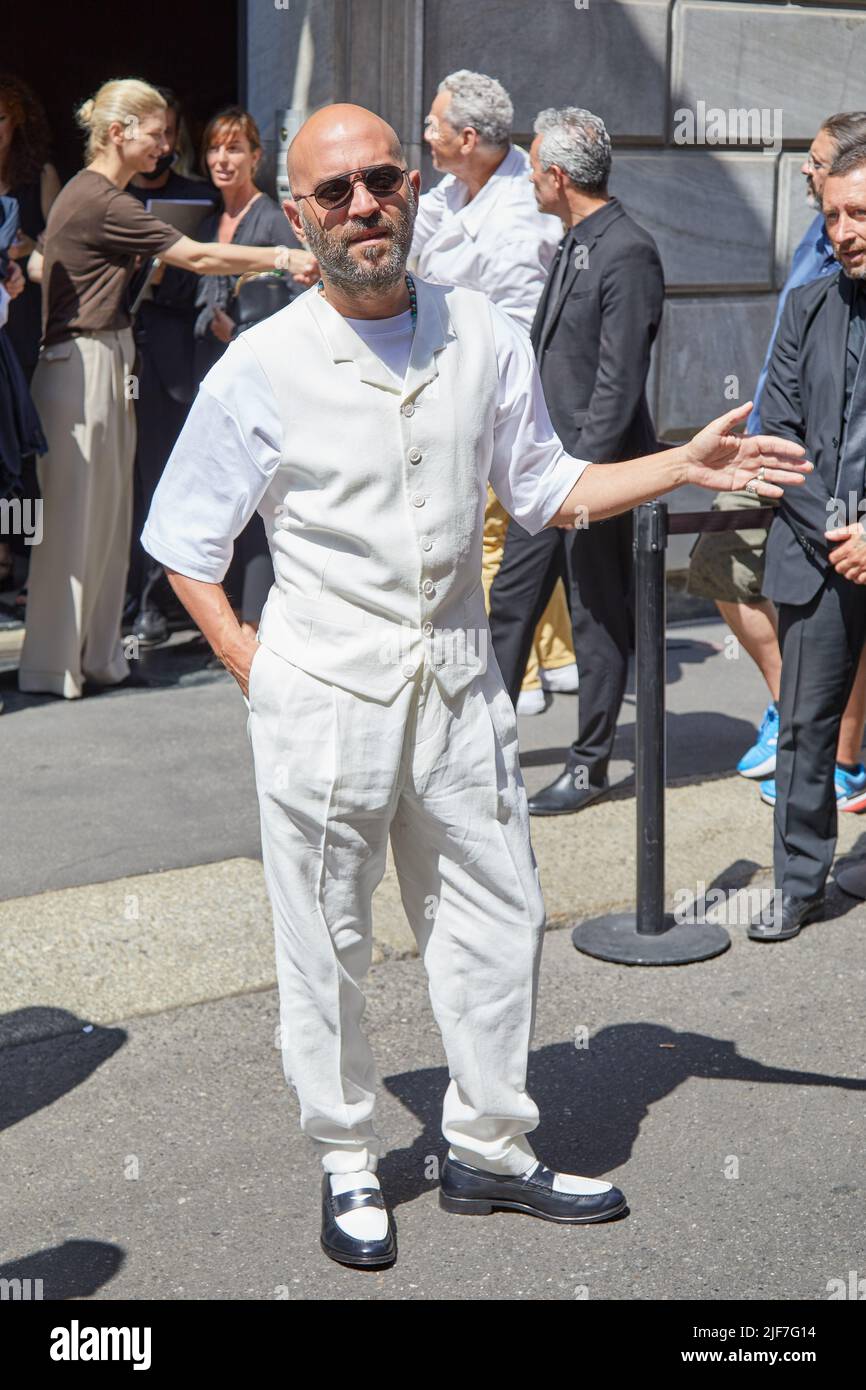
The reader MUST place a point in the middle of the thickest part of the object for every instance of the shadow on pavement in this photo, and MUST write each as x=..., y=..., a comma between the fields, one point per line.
x=592, y=1100
x=47, y=1052
x=75, y=1269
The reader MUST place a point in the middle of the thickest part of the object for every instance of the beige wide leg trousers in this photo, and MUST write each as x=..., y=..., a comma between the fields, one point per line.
x=77, y=577
x=336, y=774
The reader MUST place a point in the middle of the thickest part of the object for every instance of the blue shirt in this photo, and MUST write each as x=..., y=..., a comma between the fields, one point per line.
x=812, y=259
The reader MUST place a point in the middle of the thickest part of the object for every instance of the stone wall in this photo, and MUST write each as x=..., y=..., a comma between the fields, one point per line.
x=726, y=213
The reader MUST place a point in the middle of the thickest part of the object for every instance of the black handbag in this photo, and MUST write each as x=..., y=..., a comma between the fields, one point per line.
x=259, y=296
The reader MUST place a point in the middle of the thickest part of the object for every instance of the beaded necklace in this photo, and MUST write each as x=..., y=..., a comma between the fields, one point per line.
x=413, y=298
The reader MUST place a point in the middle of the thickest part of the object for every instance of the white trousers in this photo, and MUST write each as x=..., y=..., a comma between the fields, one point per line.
x=77, y=580
x=335, y=774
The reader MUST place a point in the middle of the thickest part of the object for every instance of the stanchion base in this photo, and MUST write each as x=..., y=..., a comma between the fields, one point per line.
x=851, y=878
x=616, y=938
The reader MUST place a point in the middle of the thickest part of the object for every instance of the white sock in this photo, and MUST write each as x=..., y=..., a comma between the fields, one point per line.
x=367, y=1223
x=570, y=1182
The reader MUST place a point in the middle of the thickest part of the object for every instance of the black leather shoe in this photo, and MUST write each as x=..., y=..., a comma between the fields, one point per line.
x=562, y=797
x=150, y=627
x=793, y=914
x=342, y=1247
x=476, y=1192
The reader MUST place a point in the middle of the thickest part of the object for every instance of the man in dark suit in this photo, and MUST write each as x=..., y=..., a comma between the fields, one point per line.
x=816, y=395
x=593, y=331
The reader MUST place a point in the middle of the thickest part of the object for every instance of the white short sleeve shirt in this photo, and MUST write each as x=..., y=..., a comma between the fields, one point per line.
x=372, y=489
x=498, y=242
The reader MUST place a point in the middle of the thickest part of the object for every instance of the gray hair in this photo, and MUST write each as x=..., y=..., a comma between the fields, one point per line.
x=847, y=128
x=480, y=102
x=850, y=159
x=576, y=141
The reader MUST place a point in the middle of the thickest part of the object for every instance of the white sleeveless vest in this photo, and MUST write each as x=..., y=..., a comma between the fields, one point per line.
x=375, y=513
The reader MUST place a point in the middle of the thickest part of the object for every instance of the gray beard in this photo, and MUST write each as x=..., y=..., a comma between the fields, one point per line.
x=377, y=269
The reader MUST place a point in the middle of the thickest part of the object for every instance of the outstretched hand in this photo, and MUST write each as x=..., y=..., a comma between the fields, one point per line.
x=726, y=462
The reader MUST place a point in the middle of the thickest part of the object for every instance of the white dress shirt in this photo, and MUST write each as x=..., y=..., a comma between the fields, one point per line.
x=372, y=490
x=498, y=243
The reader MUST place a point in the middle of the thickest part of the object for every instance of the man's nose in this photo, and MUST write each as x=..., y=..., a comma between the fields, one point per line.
x=362, y=203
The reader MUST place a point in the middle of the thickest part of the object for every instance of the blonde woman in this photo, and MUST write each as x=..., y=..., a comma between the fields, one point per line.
x=84, y=388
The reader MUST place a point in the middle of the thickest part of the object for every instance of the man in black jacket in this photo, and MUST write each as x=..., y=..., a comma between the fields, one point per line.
x=816, y=395
x=592, y=334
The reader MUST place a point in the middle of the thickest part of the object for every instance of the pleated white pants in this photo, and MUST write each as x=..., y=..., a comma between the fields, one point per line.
x=336, y=774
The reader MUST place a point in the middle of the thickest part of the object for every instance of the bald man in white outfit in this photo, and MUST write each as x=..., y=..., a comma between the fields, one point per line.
x=363, y=422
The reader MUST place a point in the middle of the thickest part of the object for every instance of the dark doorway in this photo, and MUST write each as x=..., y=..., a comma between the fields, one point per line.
x=67, y=51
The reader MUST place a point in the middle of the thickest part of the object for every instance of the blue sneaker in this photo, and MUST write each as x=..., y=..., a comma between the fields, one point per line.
x=850, y=789
x=760, y=761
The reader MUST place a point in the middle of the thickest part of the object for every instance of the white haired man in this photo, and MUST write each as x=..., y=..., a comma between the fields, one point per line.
x=480, y=228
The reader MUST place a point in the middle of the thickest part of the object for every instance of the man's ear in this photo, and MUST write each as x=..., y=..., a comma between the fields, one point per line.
x=290, y=208
x=415, y=180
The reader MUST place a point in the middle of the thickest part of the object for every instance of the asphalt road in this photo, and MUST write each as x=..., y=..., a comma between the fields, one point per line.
x=134, y=781
x=161, y=1158
x=158, y=1155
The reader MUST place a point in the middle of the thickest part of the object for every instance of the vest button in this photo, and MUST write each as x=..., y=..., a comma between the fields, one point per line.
x=427, y=629
x=408, y=671
x=429, y=587
x=415, y=455
x=426, y=545
x=408, y=409
x=417, y=500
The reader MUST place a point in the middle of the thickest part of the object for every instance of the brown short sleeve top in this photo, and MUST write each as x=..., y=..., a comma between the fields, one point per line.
x=94, y=233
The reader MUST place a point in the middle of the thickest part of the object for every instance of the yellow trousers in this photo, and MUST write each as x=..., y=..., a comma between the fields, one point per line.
x=552, y=645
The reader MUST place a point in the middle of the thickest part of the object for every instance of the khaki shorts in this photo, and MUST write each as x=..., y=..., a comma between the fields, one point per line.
x=728, y=566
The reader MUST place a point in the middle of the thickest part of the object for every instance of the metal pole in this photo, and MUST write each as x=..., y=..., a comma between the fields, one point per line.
x=649, y=936
x=650, y=543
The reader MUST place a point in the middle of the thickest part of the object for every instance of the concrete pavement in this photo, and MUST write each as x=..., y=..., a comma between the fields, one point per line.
x=151, y=1142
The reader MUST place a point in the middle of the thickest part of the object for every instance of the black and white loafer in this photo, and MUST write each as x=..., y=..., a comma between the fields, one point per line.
x=476, y=1192
x=346, y=1249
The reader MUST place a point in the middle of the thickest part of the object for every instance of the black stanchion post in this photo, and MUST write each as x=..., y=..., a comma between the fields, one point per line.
x=649, y=936
x=650, y=544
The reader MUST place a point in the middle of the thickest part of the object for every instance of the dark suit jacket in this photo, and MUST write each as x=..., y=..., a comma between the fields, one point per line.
x=595, y=354
x=804, y=399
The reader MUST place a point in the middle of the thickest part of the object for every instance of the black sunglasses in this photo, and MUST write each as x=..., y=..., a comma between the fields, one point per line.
x=379, y=179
